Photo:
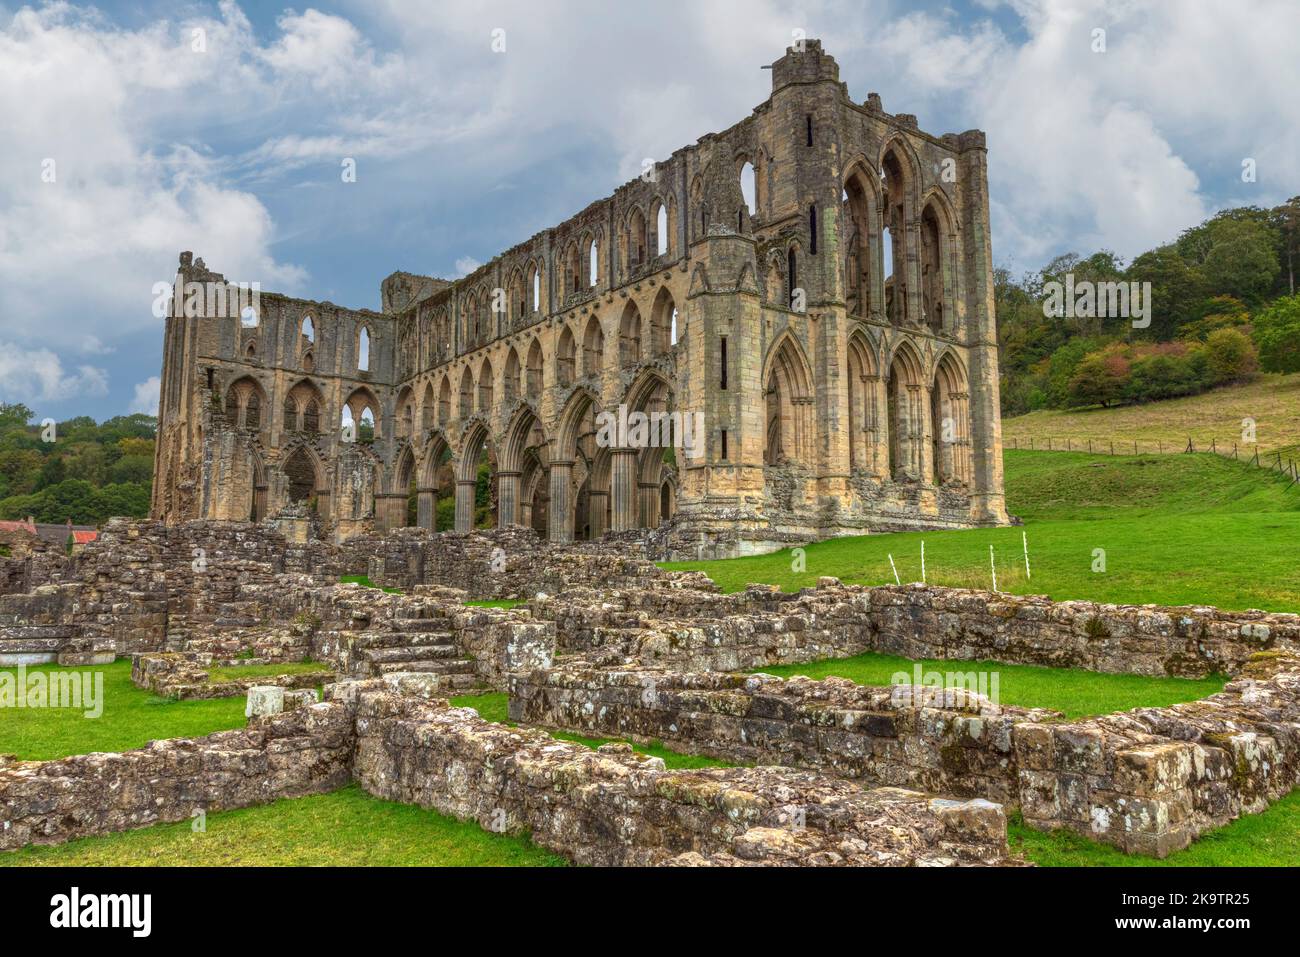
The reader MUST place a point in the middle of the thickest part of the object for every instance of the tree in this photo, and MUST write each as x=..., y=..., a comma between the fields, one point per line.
x=1178, y=289
x=1230, y=356
x=1242, y=259
x=1287, y=220
x=1100, y=379
x=1277, y=335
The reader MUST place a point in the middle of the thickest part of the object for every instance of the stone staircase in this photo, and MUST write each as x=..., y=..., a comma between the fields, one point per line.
x=423, y=646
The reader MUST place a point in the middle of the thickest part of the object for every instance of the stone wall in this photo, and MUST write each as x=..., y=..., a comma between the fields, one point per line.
x=942, y=741
x=1148, y=781
x=672, y=625
x=615, y=807
x=306, y=751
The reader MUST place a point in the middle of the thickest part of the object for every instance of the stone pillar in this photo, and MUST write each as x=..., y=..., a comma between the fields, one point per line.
x=559, y=516
x=507, y=499
x=465, y=489
x=426, y=508
x=649, y=495
x=597, y=505
x=622, y=486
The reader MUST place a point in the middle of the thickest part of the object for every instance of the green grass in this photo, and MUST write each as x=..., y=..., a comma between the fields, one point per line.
x=365, y=582
x=1273, y=401
x=343, y=828
x=1074, y=692
x=1269, y=839
x=224, y=673
x=131, y=718
x=494, y=707
x=1175, y=530
x=498, y=603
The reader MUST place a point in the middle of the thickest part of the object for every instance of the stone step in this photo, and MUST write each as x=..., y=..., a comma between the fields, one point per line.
x=411, y=653
x=401, y=639
x=457, y=666
x=439, y=623
x=10, y=645
x=24, y=632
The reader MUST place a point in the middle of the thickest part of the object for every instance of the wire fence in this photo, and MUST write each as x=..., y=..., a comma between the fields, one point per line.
x=1250, y=453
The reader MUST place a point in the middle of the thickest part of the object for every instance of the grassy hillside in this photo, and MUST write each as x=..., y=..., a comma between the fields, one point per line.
x=1273, y=401
x=1177, y=529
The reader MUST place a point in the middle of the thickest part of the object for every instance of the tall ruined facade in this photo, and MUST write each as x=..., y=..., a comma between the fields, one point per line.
x=838, y=338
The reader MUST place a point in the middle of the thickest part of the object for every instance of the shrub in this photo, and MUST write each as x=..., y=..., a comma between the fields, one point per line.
x=1277, y=335
x=1230, y=356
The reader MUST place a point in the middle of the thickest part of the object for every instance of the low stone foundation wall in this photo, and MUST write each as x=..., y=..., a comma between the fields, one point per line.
x=615, y=807
x=306, y=751
x=1148, y=781
x=674, y=626
x=183, y=675
x=943, y=741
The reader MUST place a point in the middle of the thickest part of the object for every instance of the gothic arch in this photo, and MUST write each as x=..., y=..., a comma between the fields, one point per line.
x=593, y=348
x=907, y=400
x=864, y=412
x=788, y=388
x=661, y=322
x=950, y=410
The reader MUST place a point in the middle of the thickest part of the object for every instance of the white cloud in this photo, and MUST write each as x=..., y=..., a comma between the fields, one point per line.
x=146, y=396
x=31, y=376
x=466, y=265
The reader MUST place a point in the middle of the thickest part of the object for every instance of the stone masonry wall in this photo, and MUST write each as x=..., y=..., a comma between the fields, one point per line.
x=300, y=752
x=615, y=807
x=674, y=626
x=943, y=741
x=1147, y=781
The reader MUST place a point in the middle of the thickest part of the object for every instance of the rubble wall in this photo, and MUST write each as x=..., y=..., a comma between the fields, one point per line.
x=300, y=752
x=614, y=807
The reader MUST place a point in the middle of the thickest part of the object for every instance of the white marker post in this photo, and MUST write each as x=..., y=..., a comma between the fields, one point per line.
x=1024, y=540
x=923, y=561
x=993, y=568
x=895, y=568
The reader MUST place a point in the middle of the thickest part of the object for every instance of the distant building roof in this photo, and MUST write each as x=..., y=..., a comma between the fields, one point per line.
x=18, y=527
x=80, y=537
x=58, y=534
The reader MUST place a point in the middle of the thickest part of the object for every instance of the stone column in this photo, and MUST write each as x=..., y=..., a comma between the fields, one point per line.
x=426, y=508
x=622, y=483
x=649, y=495
x=559, y=515
x=597, y=505
x=507, y=499
x=465, y=489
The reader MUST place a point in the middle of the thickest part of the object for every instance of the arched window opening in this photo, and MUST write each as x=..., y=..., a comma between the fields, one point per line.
x=661, y=231
x=248, y=317
x=564, y=359
x=594, y=263
x=533, y=384
x=363, y=350
x=366, y=427
x=812, y=230
x=308, y=329
x=674, y=328
x=748, y=188
x=537, y=289
x=792, y=279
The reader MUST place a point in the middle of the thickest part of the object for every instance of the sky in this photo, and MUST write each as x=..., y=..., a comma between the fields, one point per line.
x=135, y=130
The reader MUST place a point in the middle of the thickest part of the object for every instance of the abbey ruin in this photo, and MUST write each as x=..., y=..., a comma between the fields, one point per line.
x=833, y=333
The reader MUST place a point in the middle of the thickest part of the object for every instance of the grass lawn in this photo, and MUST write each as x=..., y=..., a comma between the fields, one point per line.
x=1270, y=839
x=493, y=707
x=1073, y=692
x=365, y=582
x=498, y=603
x=1273, y=401
x=131, y=718
x=342, y=828
x=1175, y=530
x=224, y=673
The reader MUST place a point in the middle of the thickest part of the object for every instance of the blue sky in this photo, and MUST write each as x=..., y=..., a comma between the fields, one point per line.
x=234, y=150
